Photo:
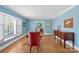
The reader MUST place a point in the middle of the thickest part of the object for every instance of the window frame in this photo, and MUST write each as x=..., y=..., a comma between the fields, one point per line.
x=15, y=27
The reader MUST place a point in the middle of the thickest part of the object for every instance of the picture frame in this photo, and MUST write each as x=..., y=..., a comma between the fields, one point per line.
x=68, y=23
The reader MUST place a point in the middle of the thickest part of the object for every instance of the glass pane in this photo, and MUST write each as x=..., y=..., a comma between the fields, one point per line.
x=11, y=26
x=6, y=27
x=19, y=26
x=1, y=27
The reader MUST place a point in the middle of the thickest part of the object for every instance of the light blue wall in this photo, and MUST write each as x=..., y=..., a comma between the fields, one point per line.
x=10, y=12
x=24, y=28
x=32, y=25
x=74, y=12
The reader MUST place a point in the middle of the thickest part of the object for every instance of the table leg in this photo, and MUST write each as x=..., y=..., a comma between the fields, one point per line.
x=64, y=44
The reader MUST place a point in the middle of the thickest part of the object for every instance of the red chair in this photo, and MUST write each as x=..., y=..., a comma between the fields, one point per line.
x=34, y=40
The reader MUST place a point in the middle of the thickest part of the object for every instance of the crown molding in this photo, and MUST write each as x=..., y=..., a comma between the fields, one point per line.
x=65, y=11
x=7, y=7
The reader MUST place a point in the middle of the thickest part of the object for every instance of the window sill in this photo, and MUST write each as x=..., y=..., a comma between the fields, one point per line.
x=9, y=38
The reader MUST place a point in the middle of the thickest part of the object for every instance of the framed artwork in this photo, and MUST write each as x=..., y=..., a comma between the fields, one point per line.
x=48, y=27
x=39, y=25
x=68, y=23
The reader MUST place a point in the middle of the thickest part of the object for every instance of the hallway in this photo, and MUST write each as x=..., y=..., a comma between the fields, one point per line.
x=48, y=45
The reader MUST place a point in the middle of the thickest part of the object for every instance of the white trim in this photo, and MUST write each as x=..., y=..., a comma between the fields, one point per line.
x=47, y=33
x=9, y=38
x=70, y=44
x=76, y=48
x=15, y=30
x=7, y=44
x=5, y=14
x=64, y=11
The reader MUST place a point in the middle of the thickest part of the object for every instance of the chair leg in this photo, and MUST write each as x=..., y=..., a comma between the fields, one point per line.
x=38, y=49
x=30, y=48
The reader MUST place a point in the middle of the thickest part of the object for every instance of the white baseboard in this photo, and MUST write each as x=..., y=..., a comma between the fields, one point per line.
x=8, y=44
x=70, y=44
x=47, y=33
x=76, y=48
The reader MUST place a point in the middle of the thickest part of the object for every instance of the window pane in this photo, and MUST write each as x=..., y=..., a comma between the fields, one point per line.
x=11, y=27
x=1, y=27
x=19, y=26
x=6, y=27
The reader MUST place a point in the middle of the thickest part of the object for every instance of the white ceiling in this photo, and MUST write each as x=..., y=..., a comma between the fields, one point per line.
x=39, y=11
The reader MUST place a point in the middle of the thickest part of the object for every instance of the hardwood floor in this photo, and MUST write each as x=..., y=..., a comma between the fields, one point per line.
x=48, y=45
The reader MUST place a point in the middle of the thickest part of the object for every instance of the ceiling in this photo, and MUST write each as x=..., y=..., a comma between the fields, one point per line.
x=39, y=12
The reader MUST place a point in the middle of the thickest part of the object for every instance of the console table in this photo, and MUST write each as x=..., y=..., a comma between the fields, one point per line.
x=65, y=36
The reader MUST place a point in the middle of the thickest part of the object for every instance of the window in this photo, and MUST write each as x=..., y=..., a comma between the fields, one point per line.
x=19, y=27
x=9, y=27
x=1, y=27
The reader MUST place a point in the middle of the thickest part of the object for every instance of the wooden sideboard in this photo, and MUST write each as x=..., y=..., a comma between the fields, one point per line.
x=65, y=36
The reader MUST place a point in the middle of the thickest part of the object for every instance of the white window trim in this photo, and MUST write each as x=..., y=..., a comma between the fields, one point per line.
x=9, y=38
x=15, y=30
